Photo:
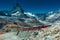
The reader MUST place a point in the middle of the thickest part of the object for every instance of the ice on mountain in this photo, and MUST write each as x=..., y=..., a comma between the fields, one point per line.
x=51, y=16
x=16, y=14
x=29, y=14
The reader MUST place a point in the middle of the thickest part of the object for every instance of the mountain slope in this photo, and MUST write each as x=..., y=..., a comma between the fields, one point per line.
x=53, y=16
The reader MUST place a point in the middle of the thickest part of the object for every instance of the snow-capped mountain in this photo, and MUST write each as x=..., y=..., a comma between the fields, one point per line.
x=17, y=14
x=53, y=16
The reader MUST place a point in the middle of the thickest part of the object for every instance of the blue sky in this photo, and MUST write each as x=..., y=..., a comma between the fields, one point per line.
x=34, y=6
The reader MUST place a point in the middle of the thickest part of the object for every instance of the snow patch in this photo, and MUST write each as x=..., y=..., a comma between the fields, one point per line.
x=30, y=14
x=16, y=14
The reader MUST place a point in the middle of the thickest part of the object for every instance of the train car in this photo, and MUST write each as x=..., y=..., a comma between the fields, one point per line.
x=35, y=28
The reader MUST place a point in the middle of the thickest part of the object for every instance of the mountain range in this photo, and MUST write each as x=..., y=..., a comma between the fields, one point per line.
x=17, y=14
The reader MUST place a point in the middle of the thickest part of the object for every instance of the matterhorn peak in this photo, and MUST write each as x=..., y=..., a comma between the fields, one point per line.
x=16, y=8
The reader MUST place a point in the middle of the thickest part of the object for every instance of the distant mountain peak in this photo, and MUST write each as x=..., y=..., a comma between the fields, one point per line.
x=16, y=8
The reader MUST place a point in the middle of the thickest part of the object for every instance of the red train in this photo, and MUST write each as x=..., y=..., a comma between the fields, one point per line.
x=35, y=28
